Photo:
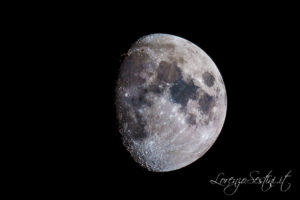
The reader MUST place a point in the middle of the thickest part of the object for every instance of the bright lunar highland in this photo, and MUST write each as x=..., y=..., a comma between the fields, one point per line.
x=171, y=102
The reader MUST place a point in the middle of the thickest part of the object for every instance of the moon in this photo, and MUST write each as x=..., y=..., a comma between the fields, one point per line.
x=171, y=102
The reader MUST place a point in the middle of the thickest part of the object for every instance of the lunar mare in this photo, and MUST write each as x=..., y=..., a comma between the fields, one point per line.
x=171, y=102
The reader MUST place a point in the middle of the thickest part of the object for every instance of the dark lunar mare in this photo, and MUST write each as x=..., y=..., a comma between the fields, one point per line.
x=128, y=114
x=128, y=106
x=206, y=102
x=156, y=89
x=139, y=132
x=209, y=79
x=131, y=68
x=168, y=72
x=182, y=91
x=139, y=99
x=191, y=119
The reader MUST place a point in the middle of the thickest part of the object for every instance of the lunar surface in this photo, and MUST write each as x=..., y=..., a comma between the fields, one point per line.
x=171, y=102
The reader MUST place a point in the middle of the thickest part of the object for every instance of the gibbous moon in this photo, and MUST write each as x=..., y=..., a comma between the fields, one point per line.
x=171, y=102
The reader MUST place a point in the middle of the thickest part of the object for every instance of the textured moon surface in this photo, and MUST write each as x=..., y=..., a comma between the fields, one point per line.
x=171, y=102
